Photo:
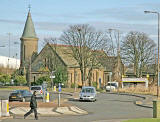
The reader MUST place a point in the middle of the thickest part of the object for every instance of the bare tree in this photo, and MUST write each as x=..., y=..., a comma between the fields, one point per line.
x=114, y=37
x=83, y=41
x=138, y=49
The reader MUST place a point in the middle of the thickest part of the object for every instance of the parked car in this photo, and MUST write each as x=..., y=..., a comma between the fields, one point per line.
x=111, y=86
x=39, y=91
x=20, y=95
x=88, y=93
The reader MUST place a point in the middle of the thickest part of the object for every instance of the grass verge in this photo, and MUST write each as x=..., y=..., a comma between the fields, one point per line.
x=143, y=120
x=11, y=88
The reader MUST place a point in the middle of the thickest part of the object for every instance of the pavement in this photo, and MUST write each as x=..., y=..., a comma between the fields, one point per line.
x=50, y=109
x=57, y=111
x=147, y=101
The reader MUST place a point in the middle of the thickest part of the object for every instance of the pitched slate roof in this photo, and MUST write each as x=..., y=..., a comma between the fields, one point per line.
x=65, y=53
x=108, y=62
x=29, y=31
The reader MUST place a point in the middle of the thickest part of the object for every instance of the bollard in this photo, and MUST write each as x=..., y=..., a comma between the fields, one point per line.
x=47, y=97
x=0, y=108
x=54, y=88
x=156, y=109
x=5, y=108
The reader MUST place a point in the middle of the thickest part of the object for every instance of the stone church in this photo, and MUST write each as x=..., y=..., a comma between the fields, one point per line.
x=51, y=54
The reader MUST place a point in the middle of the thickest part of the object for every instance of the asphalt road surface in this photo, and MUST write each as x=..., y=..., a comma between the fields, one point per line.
x=107, y=108
x=4, y=94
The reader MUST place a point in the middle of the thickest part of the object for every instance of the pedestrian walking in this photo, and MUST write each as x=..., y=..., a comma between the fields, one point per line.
x=33, y=106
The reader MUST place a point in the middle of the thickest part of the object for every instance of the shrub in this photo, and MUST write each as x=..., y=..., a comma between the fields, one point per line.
x=19, y=80
x=72, y=85
x=94, y=84
x=5, y=78
x=40, y=80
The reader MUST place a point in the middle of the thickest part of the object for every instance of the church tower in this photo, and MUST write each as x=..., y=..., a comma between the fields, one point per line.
x=29, y=42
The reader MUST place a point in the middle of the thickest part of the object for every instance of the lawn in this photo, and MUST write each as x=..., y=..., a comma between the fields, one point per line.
x=10, y=88
x=144, y=120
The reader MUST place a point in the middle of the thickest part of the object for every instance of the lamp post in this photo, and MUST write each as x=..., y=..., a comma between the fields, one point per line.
x=154, y=12
x=118, y=57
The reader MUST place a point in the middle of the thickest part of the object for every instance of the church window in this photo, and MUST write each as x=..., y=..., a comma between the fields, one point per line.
x=34, y=78
x=45, y=62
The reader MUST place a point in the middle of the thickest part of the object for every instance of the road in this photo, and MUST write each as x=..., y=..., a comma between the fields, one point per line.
x=107, y=108
x=4, y=94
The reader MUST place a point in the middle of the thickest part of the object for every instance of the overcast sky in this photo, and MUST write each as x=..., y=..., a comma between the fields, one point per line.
x=51, y=17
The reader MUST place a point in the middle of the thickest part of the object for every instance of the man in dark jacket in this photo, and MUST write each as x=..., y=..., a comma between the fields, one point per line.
x=33, y=106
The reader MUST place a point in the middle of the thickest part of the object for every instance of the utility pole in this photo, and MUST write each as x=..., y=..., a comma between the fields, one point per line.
x=118, y=61
x=52, y=76
x=9, y=34
x=29, y=73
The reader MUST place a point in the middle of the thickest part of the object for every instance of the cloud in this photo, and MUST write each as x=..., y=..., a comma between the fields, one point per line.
x=133, y=14
x=151, y=5
x=125, y=27
x=51, y=26
x=11, y=21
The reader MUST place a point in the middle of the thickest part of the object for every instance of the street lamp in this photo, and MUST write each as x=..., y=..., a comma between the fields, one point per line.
x=154, y=12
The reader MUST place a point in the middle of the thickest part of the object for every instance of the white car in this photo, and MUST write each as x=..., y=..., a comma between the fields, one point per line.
x=111, y=86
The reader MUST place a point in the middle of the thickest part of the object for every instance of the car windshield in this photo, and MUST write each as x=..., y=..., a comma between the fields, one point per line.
x=88, y=90
x=111, y=84
x=35, y=88
x=21, y=92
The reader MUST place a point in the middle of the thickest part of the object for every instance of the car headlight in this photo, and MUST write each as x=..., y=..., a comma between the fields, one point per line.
x=19, y=95
x=91, y=96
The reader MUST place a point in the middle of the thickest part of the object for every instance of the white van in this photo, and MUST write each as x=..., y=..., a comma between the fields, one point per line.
x=39, y=91
x=111, y=86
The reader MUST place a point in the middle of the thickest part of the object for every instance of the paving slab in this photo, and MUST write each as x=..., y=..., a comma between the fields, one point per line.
x=71, y=110
x=65, y=110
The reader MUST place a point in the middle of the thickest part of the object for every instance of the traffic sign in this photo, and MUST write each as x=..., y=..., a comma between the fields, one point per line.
x=59, y=88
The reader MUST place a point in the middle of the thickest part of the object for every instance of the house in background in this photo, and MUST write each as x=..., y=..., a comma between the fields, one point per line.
x=149, y=73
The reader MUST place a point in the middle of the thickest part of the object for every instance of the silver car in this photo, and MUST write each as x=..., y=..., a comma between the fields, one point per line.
x=88, y=93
